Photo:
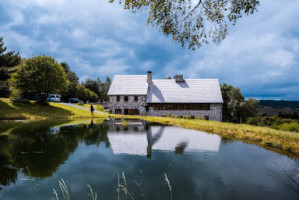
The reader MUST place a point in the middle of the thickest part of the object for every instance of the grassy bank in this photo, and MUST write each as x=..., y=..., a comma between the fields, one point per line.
x=15, y=110
x=263, y=136
x=266, y=137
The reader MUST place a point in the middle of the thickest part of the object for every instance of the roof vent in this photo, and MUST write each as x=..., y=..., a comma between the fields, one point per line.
x=179, y=78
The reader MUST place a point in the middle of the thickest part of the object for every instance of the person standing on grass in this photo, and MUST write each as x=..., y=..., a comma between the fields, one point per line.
x=146, y=109
x=91, y=109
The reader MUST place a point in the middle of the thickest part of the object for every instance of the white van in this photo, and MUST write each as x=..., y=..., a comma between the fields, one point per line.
x=54, y=97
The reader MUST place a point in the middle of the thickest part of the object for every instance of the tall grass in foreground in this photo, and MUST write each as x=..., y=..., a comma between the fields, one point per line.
x=64, y=191
x=121, y=187
x=289, y=180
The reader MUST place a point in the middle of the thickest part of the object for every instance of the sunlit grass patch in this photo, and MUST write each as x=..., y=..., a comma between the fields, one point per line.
x=16, y=110
x=97, y=107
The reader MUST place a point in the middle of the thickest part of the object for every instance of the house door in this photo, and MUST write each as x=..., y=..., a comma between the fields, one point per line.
x=126, y=111
x=133, y=112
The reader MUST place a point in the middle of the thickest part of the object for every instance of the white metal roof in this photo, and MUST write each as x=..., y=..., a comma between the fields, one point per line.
x=129, y=85
x=190, y=91
x=168, y=90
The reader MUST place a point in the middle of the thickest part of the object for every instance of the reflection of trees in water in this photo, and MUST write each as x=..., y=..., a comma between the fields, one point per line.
x=8, y=175
x=180, y=148
x=42, y=151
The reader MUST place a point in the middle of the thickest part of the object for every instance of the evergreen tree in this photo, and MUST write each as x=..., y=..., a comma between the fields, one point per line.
x=8, y=61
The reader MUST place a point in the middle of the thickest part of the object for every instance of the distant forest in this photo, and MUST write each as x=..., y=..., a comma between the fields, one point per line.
x=279, y=108
x=280, y=104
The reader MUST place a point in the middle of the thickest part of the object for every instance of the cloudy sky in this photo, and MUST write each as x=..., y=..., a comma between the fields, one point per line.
x=98, y=39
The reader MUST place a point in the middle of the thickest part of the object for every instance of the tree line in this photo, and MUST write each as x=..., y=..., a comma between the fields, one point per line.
x=39, y=76
x=238, y=110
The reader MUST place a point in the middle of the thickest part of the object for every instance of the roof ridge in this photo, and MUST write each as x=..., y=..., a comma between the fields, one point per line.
x=188, y=79
x=130, y=75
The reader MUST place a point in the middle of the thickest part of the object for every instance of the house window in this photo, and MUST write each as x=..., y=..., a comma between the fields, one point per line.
x=118, y=98
x=135, y=98
x=126, y=98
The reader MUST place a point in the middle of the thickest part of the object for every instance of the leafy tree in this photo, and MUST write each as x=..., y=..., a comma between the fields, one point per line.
x=41, y=75
x=72, y=89
x=65, y=67
x=226, y=95
x=104, y=88
x=85, y=91
x=249, y=109
x=234, y=104
x=190, y=22
x=98, y=87
x=8, y=61
x=235, y=108
x=93, y=85
x=85, y=94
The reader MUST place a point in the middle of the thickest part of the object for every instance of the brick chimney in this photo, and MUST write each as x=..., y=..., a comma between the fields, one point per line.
x=149, y=78
x=179, y=78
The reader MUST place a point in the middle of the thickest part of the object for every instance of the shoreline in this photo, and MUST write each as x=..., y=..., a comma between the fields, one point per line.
x=262, y=136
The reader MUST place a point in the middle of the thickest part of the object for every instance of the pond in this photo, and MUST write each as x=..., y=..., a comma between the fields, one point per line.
x=34, y=156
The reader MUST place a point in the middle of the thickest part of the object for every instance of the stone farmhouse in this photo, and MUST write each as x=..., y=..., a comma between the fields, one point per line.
x=138, y=94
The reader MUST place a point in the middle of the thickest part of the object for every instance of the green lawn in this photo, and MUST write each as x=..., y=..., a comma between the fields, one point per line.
x=96, y=107
x=31, y=110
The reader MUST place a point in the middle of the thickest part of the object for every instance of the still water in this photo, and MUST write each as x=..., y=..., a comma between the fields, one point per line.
x=34, y=156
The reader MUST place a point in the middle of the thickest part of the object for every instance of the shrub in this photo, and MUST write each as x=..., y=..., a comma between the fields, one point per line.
x=289, y=127
x=275, y=123
x=170, y=115
x=199, y=117
x=81, y=103
x=187, y=117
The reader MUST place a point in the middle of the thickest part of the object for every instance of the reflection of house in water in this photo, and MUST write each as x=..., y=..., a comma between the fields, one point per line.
x=162, y=138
